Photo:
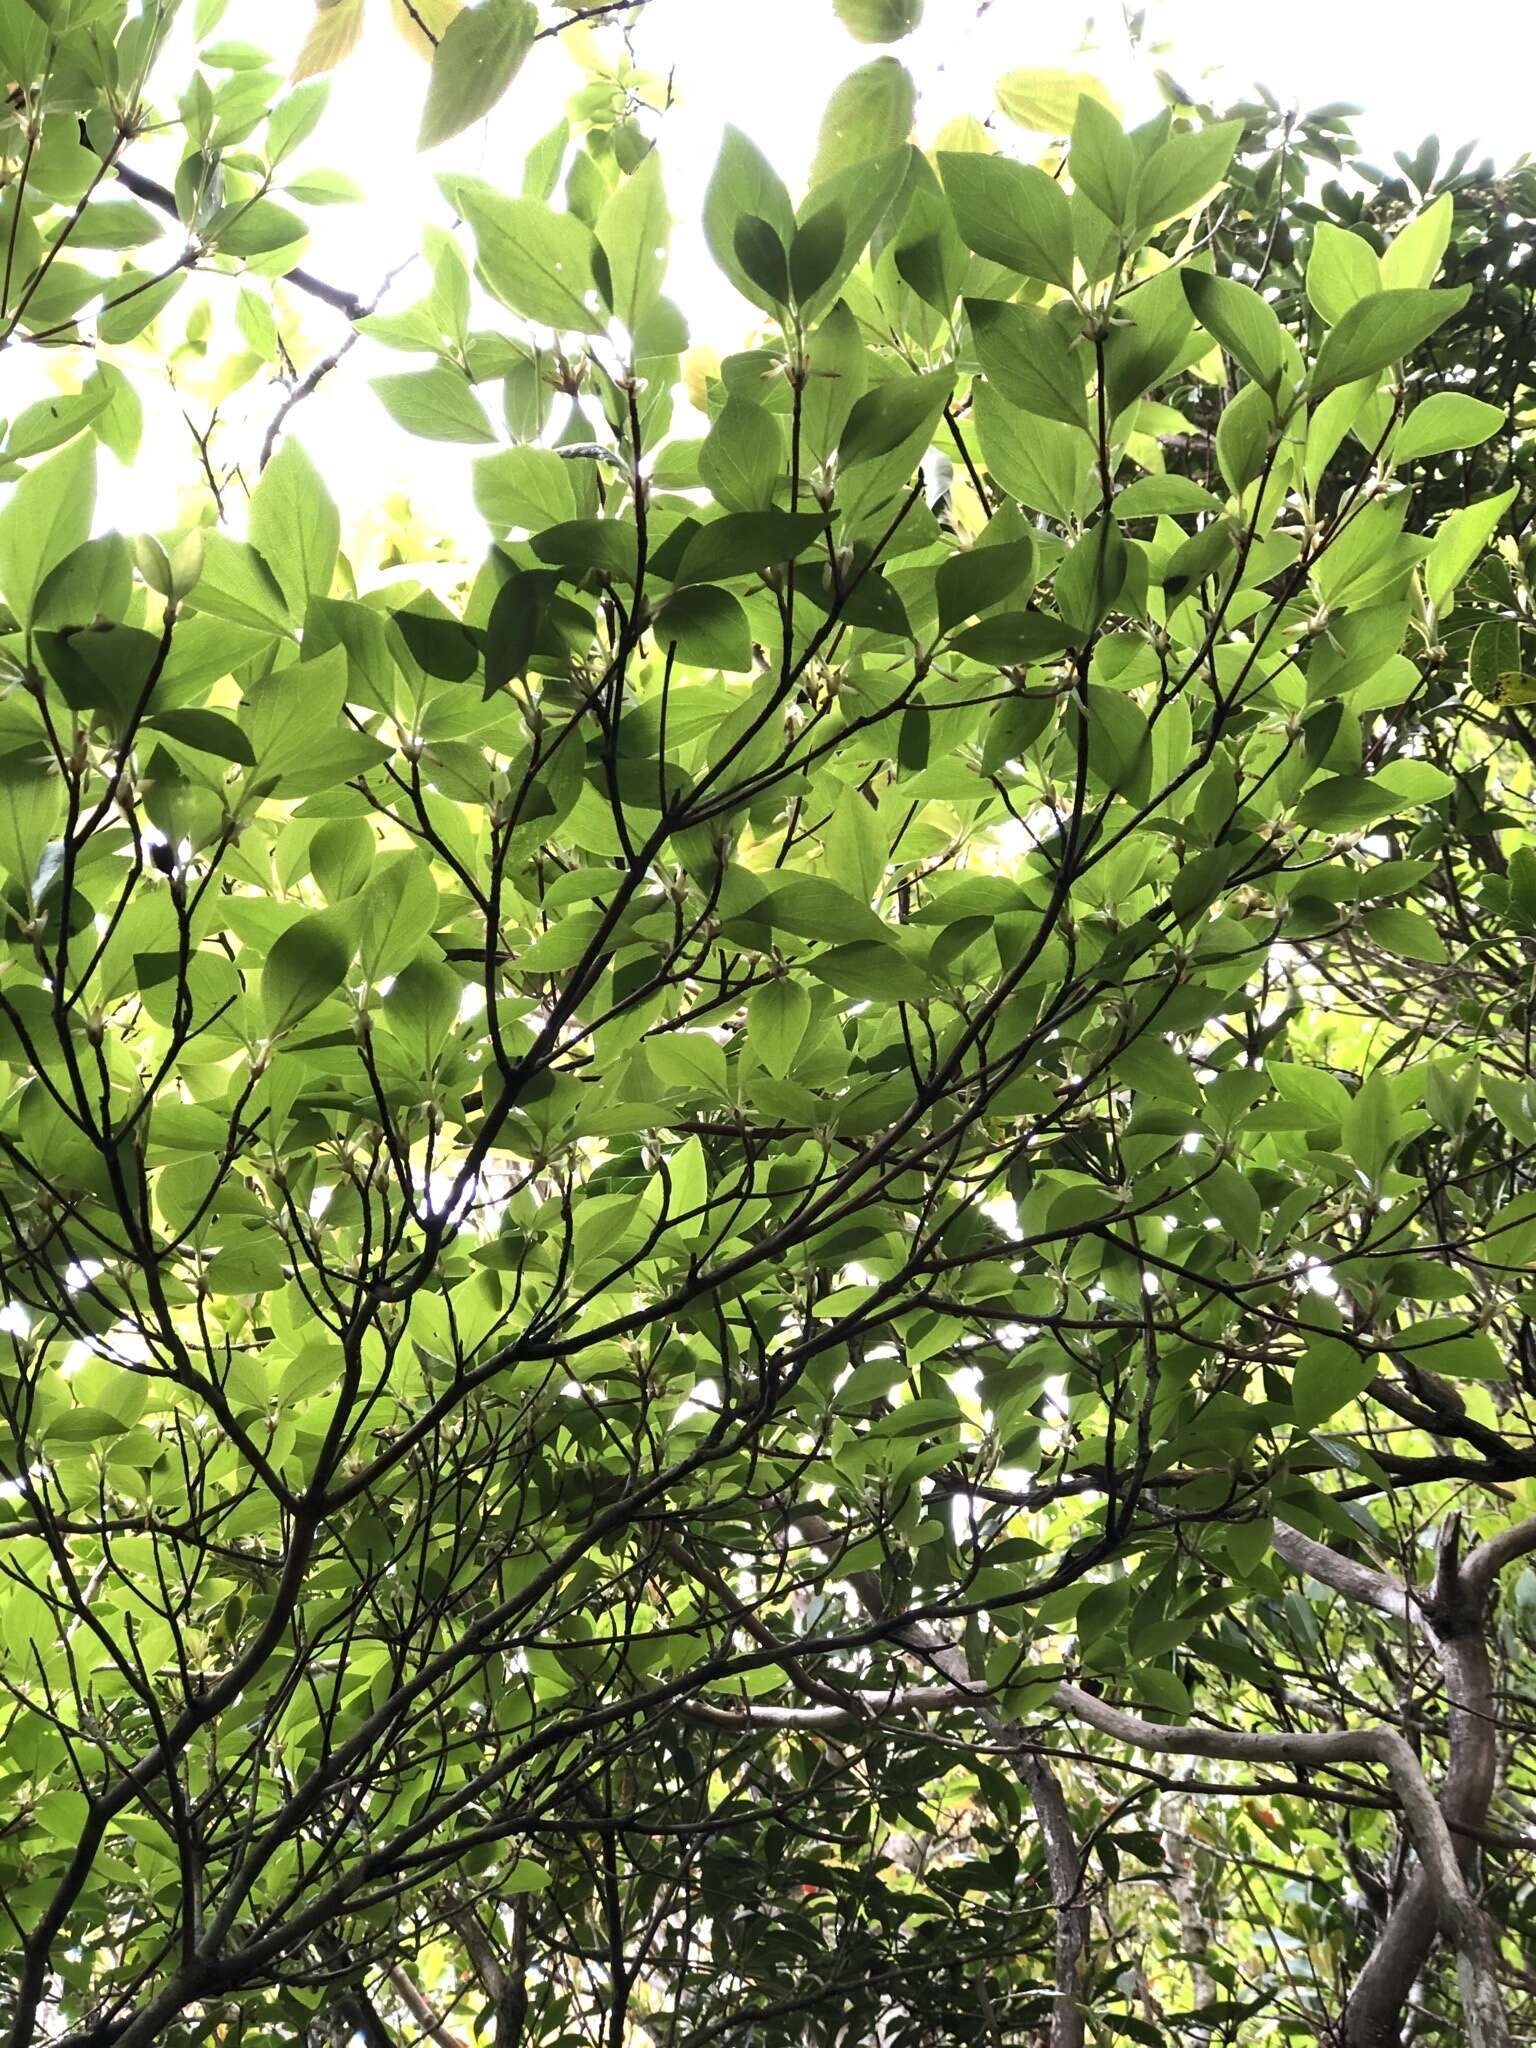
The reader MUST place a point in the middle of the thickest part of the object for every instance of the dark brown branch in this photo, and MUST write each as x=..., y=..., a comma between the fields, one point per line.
x=153, y=193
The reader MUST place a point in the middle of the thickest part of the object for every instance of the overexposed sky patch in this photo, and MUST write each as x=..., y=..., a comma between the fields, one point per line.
x=770, y=66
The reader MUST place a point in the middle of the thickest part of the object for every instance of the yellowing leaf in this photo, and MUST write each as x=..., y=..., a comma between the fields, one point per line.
x=1046, y=101
x=964, y=136
x=422, y=22
x=699, y=365
x=332, y=36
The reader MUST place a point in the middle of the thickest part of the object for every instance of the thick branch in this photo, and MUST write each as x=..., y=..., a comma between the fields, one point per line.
x=871, y=1706
x=1451, y=1613
x=1455, y=1908
x=1388, y=1595
x=1489, y=1559
x=419, y=2009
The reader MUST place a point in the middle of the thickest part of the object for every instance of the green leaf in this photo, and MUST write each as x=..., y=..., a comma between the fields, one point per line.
x=743, y=457
x=513, y=629
x=855, y=846
x=1372, y=1128
x=436, y=404
x=878, y=21
x=305, y=964
x=422, y=1007
x=848, y=208
x=325, y=188
x=1415, y=782
x=610, y=546
x=116, y=224
x=295, y=527
x=1330, y=1375
x=477, y=57
x=894, y=413
x=1185, y=170
x=104, y=670
x=1102, y=161
x=254, y=227
x=1162, y=1690
x=1234, y=315
x=1243, y=437
x=94, y=581
x=1407, y=932
x=872, y=973
x=708, y=627
x=1459, y=542
x=691, y=1060
x=745, y=541
x=235, y=583
x=1379, y=330
x=815, y=908
x=762, y=258
x=207, y=732
x=528, y=488
x=742, y=185
x=294, y=119
x=1347, y=803
x=1011, y=213
x=120, y=423
x=1446, y=420
x=135, y=299
x=440, y=647
x=687, y=1183
x=632, y=232
x=1152, y=496
x=868, y=115
x=1452, y=1347
x=777, y=1014
x=397, y=912
x=1341, y=270
x=1413, y=255
x=50, y=422
x=838, y=366
x=1026, y=356
x=31, y=811
x=1091, y=578
x=1042, y=463
x=341, y=855
x=816, y=252
x=974, y=579
x=1014, y=639
x=543, y=163
x=46, y=517
x=535, y=260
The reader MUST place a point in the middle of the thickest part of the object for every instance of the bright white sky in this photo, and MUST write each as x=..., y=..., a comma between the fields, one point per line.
x=1416, y=66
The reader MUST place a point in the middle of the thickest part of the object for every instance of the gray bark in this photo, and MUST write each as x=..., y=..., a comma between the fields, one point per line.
x=1451, y=1613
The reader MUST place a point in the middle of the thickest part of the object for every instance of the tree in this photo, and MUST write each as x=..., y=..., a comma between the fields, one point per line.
x=773, y=1280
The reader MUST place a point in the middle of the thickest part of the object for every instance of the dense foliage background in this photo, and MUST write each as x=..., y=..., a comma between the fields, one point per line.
x=766, y=1265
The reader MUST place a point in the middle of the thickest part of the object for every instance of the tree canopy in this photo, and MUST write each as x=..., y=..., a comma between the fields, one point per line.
x=765, y=1265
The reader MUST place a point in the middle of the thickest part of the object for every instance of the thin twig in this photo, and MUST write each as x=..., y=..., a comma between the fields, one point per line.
x=317, y=372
